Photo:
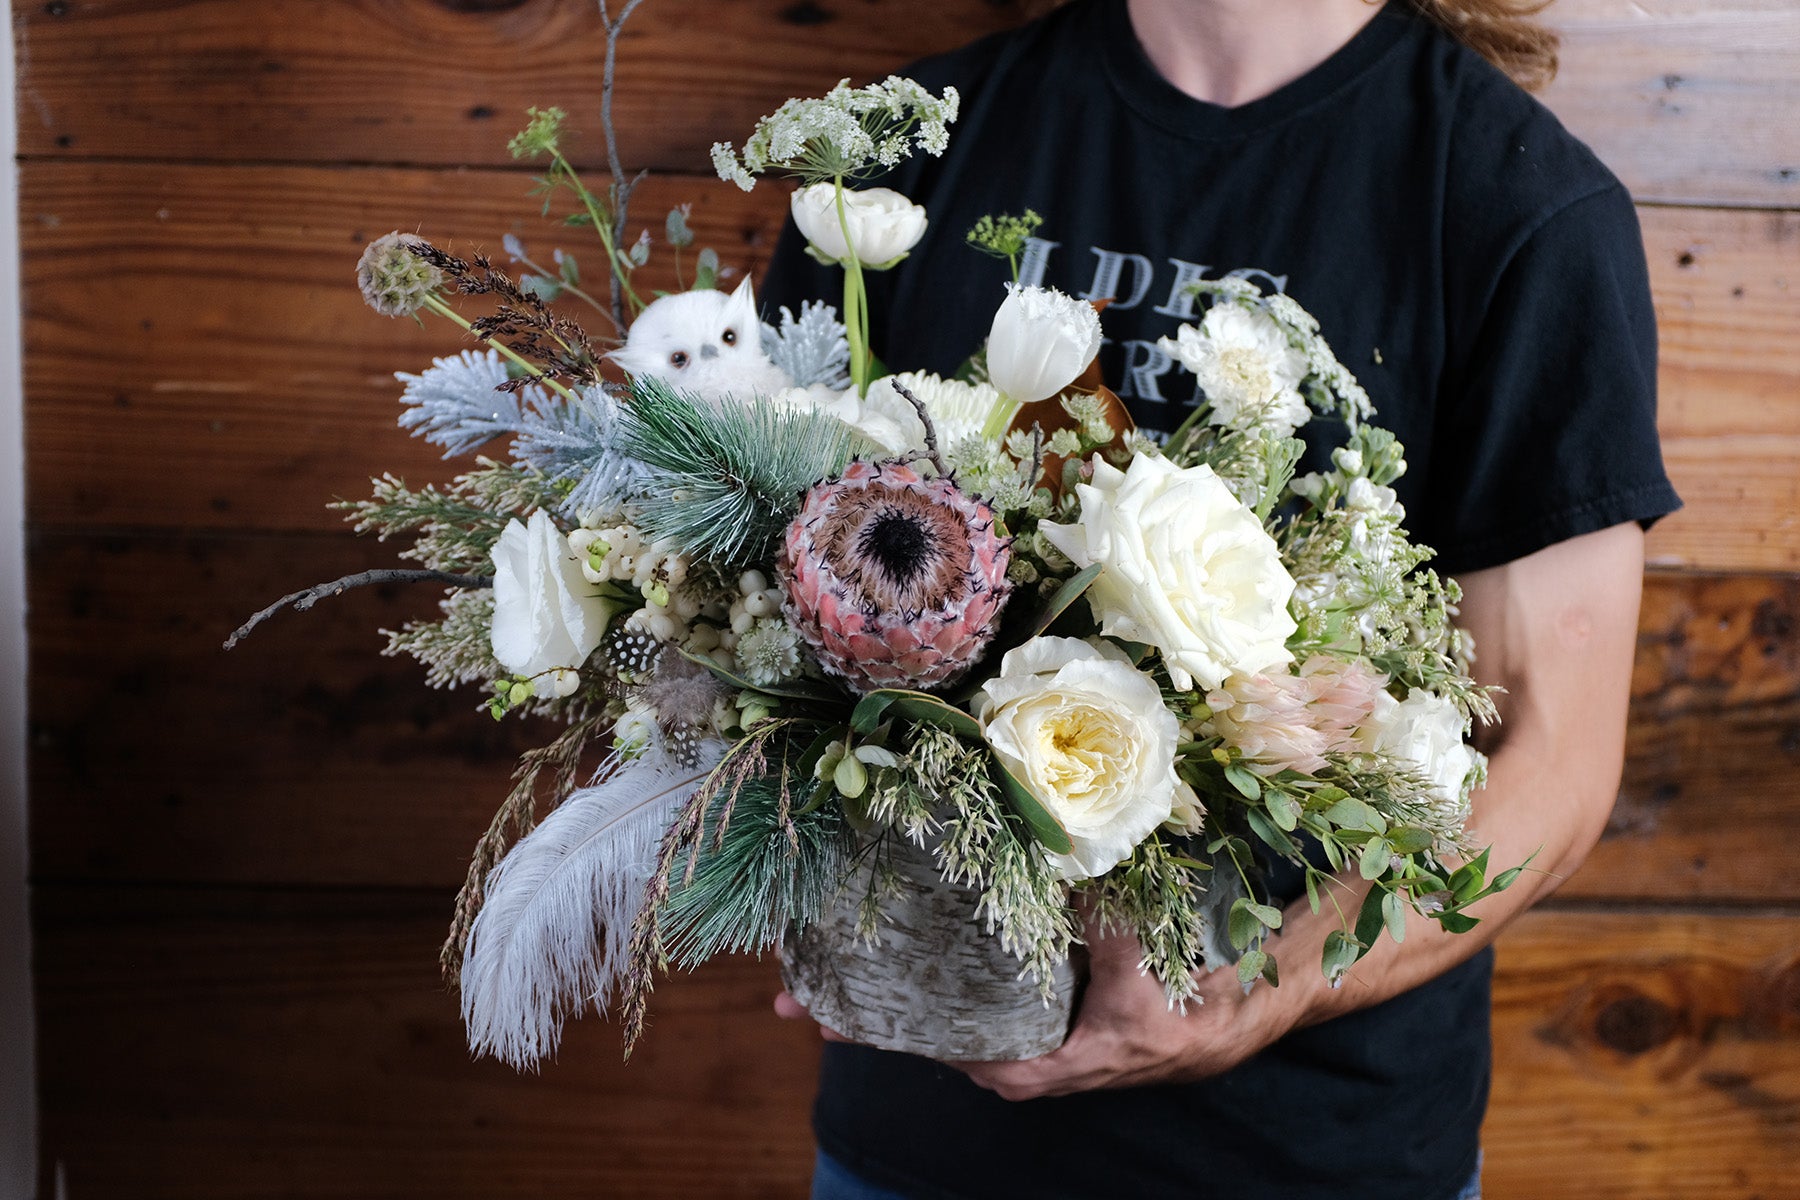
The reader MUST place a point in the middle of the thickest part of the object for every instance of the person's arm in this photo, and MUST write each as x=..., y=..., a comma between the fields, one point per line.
x=1557, y=629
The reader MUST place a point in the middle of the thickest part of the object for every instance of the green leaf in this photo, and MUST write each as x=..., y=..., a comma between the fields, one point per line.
x=925, y=709
x=1340, y=954
x=1241, y=924
x=1284, y=810
x=1393, y=915
x=1368, y=919
x=1265, y=829
x=1044, y=827
x=1457, y=922
x=566, y=265
x=1251, y=965
x=1270, y=973
x=706, y=269
x=1409, y=839
x=1244, y=780
x=1351, y=813
x=1064, y=596
x=1374, y=859
x=1312, y=889
x=1267, y=914
x=1466, y=881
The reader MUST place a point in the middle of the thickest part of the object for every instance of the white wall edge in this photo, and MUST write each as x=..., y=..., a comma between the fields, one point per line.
x=18, y=1085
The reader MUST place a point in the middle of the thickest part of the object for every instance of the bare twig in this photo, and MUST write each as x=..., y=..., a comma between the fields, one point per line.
x=303, y=600
x=931, y=442
x=621, y=187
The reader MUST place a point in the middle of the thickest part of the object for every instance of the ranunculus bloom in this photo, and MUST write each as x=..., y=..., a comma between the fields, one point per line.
x=1246, y=366
x=1040, y=342
x=1088, y=735
x=1188, y=569
x=1424, y=731
x=546, y=614
x=884, y=225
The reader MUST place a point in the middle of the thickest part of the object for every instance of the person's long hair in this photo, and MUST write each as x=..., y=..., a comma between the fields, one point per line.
x=1505, y=32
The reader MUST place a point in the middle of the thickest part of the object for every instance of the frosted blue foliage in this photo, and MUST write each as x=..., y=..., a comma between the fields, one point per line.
x=811, y=349
x=575, y=441
x=454, y=404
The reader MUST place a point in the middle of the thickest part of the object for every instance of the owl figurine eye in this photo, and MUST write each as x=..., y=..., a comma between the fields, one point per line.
x=679, y=359
x=729, y=337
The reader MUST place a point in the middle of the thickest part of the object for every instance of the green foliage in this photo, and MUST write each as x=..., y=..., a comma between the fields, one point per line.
x=1159, y=895
x=455, y=527
x=731, y=475
x=456, y=649
x=761, y=864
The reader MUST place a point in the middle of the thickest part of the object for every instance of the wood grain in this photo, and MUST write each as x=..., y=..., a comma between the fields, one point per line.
x=1713, y=746
x=233, y=1045
x=441, y=81
x=1688, y=101
x=203, y=1044
x=1646, y=1056
x=225, y=336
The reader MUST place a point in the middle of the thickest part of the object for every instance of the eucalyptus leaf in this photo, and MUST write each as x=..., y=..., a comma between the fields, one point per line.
x=1251, y=965
x=1351, y=813
x=1244, y=780
x=1284, y=810
x=1242, y=924
x=925, y=709
x=1393, y=915
x=1043, y=825
x=1409, y=839
x=1339, y=955
x=1374, y=859
x=1265, y=829
x=1368, y=918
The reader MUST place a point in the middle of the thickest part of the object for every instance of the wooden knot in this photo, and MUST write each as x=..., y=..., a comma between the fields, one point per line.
x=1634, y=1023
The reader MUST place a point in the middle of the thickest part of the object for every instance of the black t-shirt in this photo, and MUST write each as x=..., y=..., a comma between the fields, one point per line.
x=1482, y=275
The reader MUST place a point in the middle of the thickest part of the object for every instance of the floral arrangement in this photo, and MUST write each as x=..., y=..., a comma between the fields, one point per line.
x=810, y=613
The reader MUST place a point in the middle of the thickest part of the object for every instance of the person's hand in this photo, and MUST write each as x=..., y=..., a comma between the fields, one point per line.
x=1125, y=1034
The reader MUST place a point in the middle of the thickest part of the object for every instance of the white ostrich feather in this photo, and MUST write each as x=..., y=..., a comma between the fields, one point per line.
x=554, y=932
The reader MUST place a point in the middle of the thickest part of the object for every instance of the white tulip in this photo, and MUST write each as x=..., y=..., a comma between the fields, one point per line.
x=883, y=224
x=546, y=614
x=1040, y=341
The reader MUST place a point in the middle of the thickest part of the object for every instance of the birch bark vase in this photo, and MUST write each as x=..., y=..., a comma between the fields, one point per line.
x=935, y=984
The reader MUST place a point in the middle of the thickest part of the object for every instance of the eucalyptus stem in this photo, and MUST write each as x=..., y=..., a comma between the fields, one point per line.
x=436, y=304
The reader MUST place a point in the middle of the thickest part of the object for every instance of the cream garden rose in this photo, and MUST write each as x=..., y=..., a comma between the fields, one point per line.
x=883, y=224
x=547, y=616
x=1188, y=569
x=1088, y=735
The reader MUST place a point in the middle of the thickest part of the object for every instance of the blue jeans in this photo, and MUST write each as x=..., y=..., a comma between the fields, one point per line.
x=832, y=1180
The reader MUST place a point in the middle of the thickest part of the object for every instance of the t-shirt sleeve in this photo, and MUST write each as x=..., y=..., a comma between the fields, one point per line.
x=1548, y=430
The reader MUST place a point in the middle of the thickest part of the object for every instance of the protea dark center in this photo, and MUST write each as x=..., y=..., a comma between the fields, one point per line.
x=894, y=580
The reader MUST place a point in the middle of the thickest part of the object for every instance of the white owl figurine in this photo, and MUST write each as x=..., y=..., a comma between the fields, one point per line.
x=704, y=342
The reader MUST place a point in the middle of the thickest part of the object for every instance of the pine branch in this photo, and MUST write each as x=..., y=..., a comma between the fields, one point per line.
x=303, y=600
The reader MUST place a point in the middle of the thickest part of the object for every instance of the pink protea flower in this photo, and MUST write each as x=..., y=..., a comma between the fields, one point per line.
x=892, y=579
x=1291, y=722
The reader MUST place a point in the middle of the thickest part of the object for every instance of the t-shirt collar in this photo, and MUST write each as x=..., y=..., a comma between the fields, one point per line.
x=1144, y=89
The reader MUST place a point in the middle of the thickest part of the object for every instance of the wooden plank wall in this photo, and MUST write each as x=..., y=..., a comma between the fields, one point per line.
x=241, y=863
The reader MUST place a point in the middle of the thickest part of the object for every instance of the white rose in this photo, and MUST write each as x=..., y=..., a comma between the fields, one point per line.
x=1189, y=570
x=1425, y=732
x=546, y=614
x=1088, y=735
x=883, y=224
x=1040, y=341
x=1246, y=366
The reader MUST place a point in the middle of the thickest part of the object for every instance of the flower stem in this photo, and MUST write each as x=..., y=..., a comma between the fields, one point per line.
x=436, y=304
x=999, y=417
x=856, y=300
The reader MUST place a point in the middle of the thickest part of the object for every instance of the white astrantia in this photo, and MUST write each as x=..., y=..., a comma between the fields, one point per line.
x=1088, y=735
x=1248, y=368
x=547, y=616
x=1425, y=732
x=883, y=224
x=1040, y=341
x=1188, y=569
